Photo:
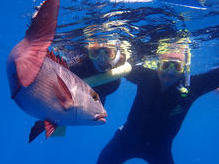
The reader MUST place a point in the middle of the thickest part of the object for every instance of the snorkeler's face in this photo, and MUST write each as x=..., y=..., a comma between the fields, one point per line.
x=104, y=58
x=169, y=78
x=170, y=71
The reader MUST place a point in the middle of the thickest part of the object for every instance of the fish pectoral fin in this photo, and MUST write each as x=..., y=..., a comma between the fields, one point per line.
x=50, y=128
x=59, y=132
x=63, y=94
x=36, y=130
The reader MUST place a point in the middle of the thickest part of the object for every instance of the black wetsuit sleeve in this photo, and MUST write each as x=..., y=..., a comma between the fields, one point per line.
x=204, y=83
x=138, y=74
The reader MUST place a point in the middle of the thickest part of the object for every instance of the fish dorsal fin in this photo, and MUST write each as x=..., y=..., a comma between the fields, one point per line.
x=36, y=130
x=63, y=94
x=29, y=54
x=50, y=128
x=58, y=59
x=43, y=24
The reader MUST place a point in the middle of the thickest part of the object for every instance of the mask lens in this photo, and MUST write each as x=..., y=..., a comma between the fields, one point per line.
x=165, y=65
x=98, y=53
x=112, y=56
x=168, y=65
x=93, y=54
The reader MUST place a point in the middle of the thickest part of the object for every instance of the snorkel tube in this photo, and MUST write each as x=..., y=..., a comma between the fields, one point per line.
x=184, y=89
x=115, y=61
x=187, y=67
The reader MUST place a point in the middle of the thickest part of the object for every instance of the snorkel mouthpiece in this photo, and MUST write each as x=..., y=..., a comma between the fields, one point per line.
x=115, y=61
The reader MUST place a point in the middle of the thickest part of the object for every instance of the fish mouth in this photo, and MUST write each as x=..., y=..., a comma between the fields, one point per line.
x=100, y=117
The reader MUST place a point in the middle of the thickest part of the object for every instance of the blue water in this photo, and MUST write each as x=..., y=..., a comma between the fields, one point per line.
x=196, y=143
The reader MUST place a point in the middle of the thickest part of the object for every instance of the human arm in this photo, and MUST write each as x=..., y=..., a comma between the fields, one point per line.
x=139, y=74
x=204, y=83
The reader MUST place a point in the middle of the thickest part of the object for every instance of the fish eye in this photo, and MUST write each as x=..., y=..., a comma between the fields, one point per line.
x=94, y=95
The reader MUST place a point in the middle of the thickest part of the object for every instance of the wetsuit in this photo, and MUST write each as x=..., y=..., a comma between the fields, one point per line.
x=155, y=118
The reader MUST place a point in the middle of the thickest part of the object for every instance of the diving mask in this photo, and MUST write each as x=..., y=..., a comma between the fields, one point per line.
x=104, y=58
x=171, y=65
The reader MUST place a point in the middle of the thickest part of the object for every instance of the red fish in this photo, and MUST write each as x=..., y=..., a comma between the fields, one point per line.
x=43, y=86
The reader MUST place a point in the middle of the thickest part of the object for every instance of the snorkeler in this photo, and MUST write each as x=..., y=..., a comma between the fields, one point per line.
x=164, y=96
x=165, y=92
